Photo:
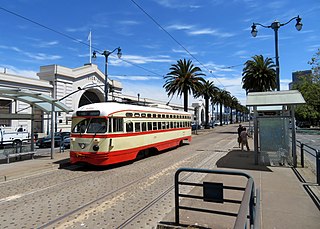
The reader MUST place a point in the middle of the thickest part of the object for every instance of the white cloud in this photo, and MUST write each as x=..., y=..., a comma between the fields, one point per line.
x=180, y=27
x=35, y=56
x=212, y=32
x=136, y=59
x=79, y=29
x=45, y=44
x=193, y=30
x=178, y=4
x=20, y=72
x=128, y=22
x=183, y=51
x=137, y=78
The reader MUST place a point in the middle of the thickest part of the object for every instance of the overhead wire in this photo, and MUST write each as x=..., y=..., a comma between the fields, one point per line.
x=126, y=61
x=70, y=37
x=174, y=39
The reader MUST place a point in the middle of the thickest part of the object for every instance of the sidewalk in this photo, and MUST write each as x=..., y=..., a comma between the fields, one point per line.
x=40, y=163
x=284, y=201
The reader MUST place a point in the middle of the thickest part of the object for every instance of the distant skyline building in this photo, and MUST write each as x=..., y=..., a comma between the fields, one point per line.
x=298, y=76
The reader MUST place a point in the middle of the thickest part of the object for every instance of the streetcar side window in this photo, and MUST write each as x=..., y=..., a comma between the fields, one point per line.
x=154, y=125
x=163, y=125
x=129, y=126
x=137, y=127
x=159, y=125
x=117, y=124
x=167, y=125
x=144, y=126
x=149, y=125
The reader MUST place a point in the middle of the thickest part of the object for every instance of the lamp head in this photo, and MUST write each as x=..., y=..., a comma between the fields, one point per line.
x=298, y=24
x=254, y=30
x=94, y=55
x=119, y=53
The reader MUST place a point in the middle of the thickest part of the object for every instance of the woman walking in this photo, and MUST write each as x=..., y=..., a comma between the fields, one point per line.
x=244, y=138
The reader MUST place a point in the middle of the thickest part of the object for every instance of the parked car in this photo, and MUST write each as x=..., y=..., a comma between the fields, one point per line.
x=195, y=126
x=45, y=142
x=212, y=124
x=66, y=142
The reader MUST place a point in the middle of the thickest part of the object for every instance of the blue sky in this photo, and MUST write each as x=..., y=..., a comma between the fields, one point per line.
x=216, y=33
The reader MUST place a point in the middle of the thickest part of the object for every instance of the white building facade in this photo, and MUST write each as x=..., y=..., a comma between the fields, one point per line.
x=73, y=87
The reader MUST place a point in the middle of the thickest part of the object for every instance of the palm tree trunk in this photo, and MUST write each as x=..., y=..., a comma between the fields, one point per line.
x=220, y=114
x=185, y=100
x=237, y=118
x=207, y=112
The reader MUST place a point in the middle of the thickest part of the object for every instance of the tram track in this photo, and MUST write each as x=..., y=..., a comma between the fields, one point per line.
x=69, y=218
x=118, y=190
x=156, y=200
x=122, y=189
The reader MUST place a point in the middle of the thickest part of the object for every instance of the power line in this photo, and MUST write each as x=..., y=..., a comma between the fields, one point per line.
x=69, y=37
x=182, y=46
x=43, y=26
x=138, y=66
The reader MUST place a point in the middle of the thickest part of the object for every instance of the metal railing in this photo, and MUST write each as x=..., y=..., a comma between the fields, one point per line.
x=17, y=150
x=249, y=209
x=313, y=153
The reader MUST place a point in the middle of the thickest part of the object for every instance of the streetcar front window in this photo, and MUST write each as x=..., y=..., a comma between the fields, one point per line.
x=91, y=125
x=97, y=125
x=81, y=126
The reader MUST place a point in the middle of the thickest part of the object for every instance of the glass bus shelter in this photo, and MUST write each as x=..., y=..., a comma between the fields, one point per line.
x=274, y=126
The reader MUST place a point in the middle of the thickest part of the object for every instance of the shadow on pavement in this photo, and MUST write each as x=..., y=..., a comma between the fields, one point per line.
x=237, y=159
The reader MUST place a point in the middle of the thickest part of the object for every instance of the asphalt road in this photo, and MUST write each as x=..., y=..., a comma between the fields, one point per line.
x=132, y=195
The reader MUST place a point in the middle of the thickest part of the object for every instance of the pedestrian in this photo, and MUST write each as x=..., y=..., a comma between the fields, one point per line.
x=239, y=132
x=244, y=138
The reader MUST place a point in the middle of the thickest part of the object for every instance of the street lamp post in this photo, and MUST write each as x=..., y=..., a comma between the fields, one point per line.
x=106, y=54
x=275, y=26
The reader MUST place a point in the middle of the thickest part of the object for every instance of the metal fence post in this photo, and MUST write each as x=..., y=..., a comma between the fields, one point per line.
x=318, y=166
x=302, y=155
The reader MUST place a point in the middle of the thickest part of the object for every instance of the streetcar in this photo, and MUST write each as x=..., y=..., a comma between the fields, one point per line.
x=110, y=133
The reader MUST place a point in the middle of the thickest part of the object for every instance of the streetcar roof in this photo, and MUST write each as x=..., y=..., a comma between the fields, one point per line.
x=107, y=108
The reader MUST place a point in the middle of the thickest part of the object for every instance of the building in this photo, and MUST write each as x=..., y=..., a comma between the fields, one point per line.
x=73, y=87
x=298, y=76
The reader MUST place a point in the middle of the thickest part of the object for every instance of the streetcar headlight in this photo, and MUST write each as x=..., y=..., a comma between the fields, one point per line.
x=95, y=147
x=82, y=145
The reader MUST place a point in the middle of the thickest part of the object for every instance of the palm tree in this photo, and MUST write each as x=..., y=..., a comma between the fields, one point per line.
x=233, y=104
x=208, y=91
x=222, y=97
x=259, y=74
x=183, y=78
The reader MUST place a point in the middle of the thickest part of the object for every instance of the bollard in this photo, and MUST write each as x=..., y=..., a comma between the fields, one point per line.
x=318, y=166
x=302, y=155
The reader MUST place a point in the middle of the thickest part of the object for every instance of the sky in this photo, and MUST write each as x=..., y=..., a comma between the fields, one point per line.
x=153, y=35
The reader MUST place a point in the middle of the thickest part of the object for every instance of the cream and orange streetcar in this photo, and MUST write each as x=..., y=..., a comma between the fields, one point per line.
x=109, y=133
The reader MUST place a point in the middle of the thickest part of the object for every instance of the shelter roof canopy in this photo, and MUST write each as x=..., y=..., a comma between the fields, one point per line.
x=44, y=102
x=275, y=98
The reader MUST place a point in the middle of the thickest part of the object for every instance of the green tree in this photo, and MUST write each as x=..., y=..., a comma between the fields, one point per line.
x=208, y=90
x=309, y=87
x=184, y=78
x=259, y=74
